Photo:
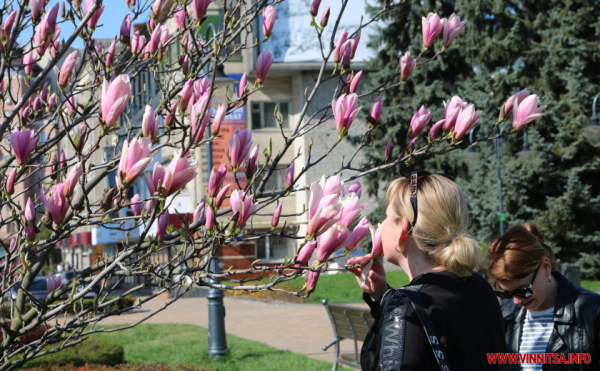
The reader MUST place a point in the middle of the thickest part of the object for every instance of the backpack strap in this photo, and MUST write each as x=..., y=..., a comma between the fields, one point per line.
x=394, y=328
x=412, y=292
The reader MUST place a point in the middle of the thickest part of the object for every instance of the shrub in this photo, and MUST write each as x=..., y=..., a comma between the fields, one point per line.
x=94, y=350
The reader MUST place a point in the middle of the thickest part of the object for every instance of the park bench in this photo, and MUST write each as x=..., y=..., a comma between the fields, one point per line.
x=348, y=323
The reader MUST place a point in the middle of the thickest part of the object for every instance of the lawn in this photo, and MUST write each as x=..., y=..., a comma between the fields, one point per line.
x=336, y=288
x=175, y=344
x=592, y=285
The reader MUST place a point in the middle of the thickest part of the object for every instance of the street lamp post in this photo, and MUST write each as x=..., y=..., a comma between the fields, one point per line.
x=217, y=342
x=472, y=154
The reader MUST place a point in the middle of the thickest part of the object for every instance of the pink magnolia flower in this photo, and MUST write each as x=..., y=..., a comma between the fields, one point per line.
x=351, y=209
x=37, y=105
x=216, y=180
x=110, y=55
x=518, y=97
x=453, y=108
x=215, y=126
x=36, y=6
x=452, y=28
x=314, y=7
x=199, y=109
x=44, y=93
x=22, y=142
x=130, y=2
x=353, y=188
x=526, y=111
x=185, y=64
x=407, y=65
x=251, y=162
x=340, y=47
x=345, y=111
x=180, y=18
x=263, y=64
x=289, y=176
x=136, y=206
x=305, y=254
x=242, y=86
x=9, y=186
x=332, y=185
x=56, y=203
x=269, y=16
x=201, y=87
x=419, y=121
x=388, y=150
x=136, y=42
x=185, y=95
x=331, y=240
x=30, y=220
x=55, y=45
x=155, y=39
x=53, y=282
x=209, y=222
x=325, y=17
x=126, y=29
x=435, y=129
x=347, y=48
x=377, y=250
x=239, y=145
x=135, y=157
x=355, y=81
x=323, y=211
x=354, y=45
x=8, y=25
x=276, y=215
x=156, y=8
x=377, y=109
x=242, y=204
x=67, y=69
x=51, y=102
x=200, y=7
x=432, y=26
x=72, y=179
x=70, y=103
x=48, y=23
x=221, y=195
x=171, y=114
x=114, y=99
x=465, y=120
x=29, y=61
x=161, y=229
x=311, y=280
x=94, y=19
x=199, y=212
x=150, y=124
x=360, y=231
x=177, y=175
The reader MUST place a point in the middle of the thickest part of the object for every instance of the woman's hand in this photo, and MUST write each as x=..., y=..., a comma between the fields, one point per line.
x=370, y=277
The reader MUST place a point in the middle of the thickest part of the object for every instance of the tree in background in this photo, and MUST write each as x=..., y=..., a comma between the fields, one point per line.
x=553, y=50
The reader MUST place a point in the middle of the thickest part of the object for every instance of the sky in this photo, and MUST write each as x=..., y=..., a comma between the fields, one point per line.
x=109, y=24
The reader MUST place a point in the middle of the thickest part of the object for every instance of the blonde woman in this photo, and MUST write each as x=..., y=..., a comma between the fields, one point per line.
x=446, y=301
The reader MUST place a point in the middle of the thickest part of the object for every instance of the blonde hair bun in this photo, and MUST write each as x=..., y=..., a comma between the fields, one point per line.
x=462, y=256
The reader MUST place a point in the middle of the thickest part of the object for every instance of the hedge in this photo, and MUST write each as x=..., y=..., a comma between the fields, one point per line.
x=93, y=350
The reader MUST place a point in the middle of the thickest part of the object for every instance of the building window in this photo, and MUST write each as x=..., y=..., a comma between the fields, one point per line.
x=276, y=181
x=274, y=248
x=263, y=114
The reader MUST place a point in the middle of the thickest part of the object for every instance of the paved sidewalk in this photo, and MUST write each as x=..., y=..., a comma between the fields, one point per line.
x=300, y=328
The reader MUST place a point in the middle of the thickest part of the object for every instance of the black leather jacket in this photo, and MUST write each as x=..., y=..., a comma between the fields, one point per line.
x=576, y=325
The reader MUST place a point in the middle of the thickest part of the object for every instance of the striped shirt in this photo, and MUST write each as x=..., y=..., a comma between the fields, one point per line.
x=537, y=329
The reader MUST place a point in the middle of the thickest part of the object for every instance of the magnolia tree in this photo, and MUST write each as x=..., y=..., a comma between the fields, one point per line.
x=186, y=88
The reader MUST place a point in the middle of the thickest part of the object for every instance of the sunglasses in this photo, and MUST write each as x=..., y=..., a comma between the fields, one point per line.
x=414, y=187
x=524, y=293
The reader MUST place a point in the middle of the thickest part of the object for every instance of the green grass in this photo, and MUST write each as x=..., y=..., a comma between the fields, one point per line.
x=343, y=288
x=592, y=285
x=175, y=344
x=337, y=288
